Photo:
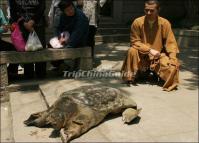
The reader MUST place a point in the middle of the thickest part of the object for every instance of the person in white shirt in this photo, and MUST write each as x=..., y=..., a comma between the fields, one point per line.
x=54, y=15
x=91, y=8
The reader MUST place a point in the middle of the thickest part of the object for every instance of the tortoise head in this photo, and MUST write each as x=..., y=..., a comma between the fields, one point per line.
x=130, y=114
x=37, y=119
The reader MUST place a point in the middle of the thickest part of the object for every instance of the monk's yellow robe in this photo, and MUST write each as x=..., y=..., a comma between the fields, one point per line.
x=159, y=36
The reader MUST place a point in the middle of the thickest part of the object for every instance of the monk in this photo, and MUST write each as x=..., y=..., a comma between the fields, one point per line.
x=153, y=47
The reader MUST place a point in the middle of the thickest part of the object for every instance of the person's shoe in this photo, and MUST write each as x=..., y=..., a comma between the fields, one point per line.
x=153, y=78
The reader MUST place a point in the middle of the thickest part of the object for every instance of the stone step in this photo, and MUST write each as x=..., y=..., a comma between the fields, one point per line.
x=112, y=38
x=106, y=19
x=112, y=25
x=184, y=32
x=187, y=37
x=187, y=41
x=22, y=105
x=113, y=31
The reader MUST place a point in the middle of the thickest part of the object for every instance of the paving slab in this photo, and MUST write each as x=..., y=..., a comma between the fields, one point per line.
x=182, y=137
x=6, y=123
x=22, y=105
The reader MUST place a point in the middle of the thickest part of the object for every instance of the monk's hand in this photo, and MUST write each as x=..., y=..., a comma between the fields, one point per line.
x=29, y=25
x=173, y=59
x=174, y=62
x=154, y=53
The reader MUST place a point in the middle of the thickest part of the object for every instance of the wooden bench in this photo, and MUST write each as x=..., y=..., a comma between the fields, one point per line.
x=7, y=57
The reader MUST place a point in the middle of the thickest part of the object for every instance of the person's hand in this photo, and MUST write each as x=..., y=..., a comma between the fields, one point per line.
x=29, y=25
x=12, y=27
x=154, y=53
x=174, y=62
x=62, y=39
x=5, y=28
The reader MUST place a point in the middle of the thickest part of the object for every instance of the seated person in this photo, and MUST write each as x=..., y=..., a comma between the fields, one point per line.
x=153, y=47
x=6, y=46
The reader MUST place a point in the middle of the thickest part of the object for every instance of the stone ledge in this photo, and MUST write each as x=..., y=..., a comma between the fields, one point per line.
x=186, y=33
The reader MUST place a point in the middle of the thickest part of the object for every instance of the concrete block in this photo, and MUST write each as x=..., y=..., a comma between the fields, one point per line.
x=22, y=105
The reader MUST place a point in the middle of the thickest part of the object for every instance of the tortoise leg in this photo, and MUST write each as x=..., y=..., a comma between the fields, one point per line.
x=130, y=114
x=74, y=130
x=36, y=119
x=79, y=125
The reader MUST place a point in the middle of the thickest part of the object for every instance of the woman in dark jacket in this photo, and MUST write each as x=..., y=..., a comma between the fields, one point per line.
x=75, y=22
x=32, y=14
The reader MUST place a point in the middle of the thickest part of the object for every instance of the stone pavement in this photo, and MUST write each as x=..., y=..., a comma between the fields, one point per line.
x=165, y=116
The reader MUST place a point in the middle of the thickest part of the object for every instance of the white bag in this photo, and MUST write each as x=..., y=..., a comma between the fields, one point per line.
x=33, y=43
x=54, y=42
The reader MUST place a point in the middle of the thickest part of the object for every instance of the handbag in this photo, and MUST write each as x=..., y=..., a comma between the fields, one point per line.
x=33, y=43
x=17, y=38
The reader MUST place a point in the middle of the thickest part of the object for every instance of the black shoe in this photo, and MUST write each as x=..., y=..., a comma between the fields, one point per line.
x=131, y=83
x=153, y=77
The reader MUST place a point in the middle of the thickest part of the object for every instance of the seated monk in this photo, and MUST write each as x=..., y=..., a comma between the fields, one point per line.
x=153, y=47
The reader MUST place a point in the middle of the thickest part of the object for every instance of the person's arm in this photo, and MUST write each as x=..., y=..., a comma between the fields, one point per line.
x=3, y=22
x=170, y=41
x=51, y=12
x=80, y=29
x=102, y=2
x=135, y=38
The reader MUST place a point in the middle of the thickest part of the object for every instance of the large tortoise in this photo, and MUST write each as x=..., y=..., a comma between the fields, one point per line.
x=78, y=110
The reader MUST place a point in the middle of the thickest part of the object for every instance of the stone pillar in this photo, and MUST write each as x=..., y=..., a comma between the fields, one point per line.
x=3, y=81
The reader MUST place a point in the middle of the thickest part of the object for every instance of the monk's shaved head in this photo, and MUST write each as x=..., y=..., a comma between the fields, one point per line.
x=151, y=9
x=153, y=2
